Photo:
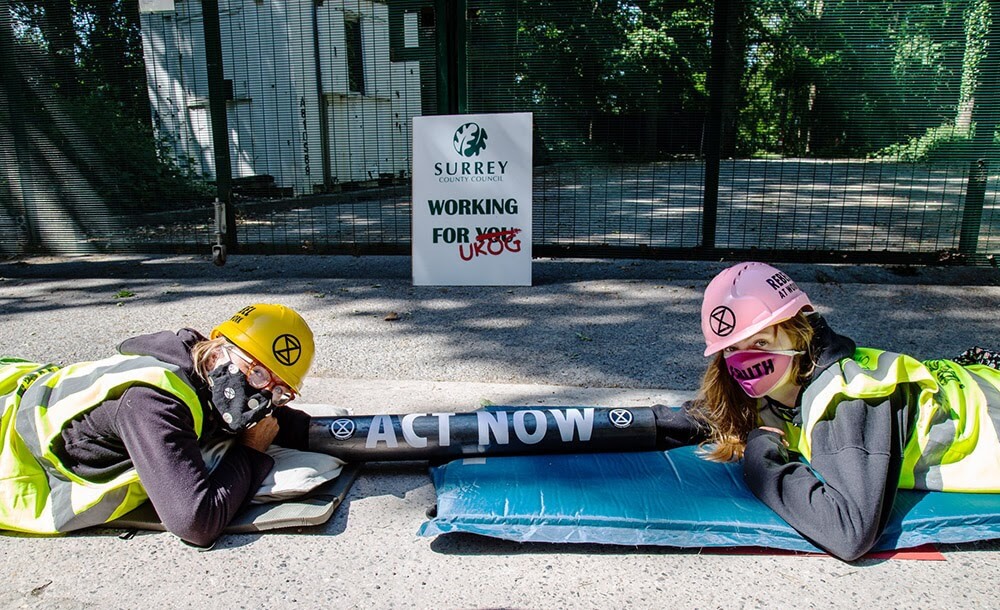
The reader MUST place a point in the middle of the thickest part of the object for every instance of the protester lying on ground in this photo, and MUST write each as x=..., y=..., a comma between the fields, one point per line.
x=783, y=386
x=84, y=444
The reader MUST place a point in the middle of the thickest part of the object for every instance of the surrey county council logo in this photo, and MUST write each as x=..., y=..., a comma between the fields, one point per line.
x=469, y=140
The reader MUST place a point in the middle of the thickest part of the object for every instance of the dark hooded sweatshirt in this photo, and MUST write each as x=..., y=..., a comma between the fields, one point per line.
x=842, y=499
x=153, y=432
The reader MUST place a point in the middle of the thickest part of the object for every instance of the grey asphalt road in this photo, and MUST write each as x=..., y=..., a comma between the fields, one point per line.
x=598, y=332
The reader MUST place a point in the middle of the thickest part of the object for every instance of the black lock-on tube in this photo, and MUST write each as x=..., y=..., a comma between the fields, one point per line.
x=493, y=432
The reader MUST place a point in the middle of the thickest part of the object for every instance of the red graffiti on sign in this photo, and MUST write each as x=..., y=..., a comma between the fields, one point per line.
x=493, y=243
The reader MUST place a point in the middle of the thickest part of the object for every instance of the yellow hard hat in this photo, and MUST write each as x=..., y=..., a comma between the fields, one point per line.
x=276, y=336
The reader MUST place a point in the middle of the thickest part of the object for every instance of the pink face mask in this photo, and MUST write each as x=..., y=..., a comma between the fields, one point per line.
x=758, y=371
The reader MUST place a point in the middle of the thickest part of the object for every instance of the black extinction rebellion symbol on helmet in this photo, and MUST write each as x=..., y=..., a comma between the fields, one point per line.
x=469, y=140
x=287, y=349
x=723, y=320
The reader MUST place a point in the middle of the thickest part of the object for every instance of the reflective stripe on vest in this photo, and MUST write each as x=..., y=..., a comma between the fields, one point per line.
x=39, y=494
x=953, y=446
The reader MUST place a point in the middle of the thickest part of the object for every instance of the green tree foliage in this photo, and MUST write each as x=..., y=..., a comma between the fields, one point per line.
x=604, y=78
x=977, y=26
x=565, y=67
x=954, y=135
x=627, y=79
x=665, y=59
x=840, y=78
x=87, y=56
x=844, y=78
x=94, y=45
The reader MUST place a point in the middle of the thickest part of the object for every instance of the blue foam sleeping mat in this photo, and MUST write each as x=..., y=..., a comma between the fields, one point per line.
x=670, y=498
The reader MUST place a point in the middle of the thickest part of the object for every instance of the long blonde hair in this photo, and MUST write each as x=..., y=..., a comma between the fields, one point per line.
x=203, y=355
x=728, y=410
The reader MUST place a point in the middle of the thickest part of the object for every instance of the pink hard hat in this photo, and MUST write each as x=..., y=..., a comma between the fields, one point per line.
x=745, y=299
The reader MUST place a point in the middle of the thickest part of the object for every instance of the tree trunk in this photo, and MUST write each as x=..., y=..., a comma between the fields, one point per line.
x=984, y=113
x=139, y=97
x=977, y=17
x=733, y=77
x=811, y=116
x=57, y=27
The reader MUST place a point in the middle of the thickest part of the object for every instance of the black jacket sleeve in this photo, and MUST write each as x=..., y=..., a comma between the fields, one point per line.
x=158, y=433
x=843, y=498
x=677, y=427
x=293, y=428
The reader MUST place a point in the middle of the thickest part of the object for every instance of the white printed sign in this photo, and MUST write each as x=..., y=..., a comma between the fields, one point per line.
x=472, y=200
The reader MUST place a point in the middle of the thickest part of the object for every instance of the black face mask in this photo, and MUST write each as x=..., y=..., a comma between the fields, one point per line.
x=238, y=403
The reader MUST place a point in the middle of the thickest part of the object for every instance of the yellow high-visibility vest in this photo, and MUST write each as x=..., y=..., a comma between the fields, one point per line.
x=954, y=444
x=38, y=494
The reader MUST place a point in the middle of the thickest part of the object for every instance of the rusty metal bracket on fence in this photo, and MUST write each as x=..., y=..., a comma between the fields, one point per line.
x=219, y=249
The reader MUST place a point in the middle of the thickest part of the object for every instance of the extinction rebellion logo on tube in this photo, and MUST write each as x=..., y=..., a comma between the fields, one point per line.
x=469, y=141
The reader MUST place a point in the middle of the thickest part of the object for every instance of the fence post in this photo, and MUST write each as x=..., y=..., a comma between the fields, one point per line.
x=324, y=121
x=972, y=214
x=984, y=118
x=450, y=22
x=713, y=124
x=441, y=22
x=217, y=111
x=460, y=28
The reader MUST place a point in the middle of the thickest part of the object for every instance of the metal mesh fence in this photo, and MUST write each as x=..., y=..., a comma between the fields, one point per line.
x=839, y=129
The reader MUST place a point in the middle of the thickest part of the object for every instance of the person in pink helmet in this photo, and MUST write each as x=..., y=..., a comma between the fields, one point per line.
x=828, y=431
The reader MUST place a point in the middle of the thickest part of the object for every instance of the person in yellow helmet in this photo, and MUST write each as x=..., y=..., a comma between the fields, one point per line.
x=83, y=444
x=828, y=431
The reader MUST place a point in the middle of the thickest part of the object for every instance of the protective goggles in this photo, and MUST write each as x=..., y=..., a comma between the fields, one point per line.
x=259, y=377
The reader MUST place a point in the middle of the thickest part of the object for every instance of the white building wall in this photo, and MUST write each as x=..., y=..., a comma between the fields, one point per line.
x=369, y=133
x=169, y=44
x=274, y=119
